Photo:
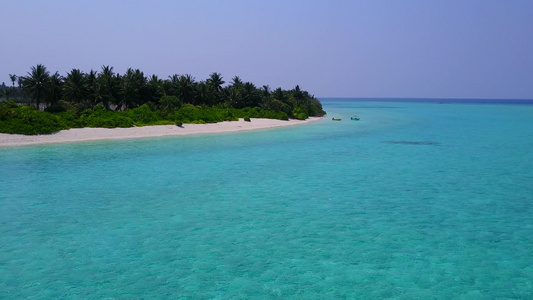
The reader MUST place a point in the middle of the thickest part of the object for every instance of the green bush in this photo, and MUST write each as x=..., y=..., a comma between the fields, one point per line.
x=142, y=115
x=247, y=119
x=70, y=119
x=167, y=104
x=101, y=117
x=257, y=112
x=269, y=114
x=315, y=108
x=7, y=109
x=277, y=105
x=299, y=113
x=200, y=115
x=56, y=108
x=27, y=120
x=164, y=122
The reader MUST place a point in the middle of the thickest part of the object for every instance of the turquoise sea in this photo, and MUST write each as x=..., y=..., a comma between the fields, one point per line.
x=426, y=199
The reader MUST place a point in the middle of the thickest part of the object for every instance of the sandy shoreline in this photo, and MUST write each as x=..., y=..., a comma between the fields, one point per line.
x=97, y=134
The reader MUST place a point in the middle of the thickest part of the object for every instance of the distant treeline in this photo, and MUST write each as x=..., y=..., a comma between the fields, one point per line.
x=109, y=99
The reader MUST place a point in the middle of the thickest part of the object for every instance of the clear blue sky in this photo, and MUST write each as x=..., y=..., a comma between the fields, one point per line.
x=419, y=48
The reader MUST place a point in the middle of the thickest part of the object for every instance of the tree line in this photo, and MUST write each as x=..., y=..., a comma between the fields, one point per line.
x=109, y=99
x=132, y=89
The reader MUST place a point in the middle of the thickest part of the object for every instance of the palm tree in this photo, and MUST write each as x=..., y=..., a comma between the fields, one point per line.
x=215, y=82
x=108, y=86
x=265, y=96
x=265, y=90
x=75, y=88
x=173, y=85
x=5, y=91
x=298, y=98
x=236, y=82
x=154, y=89
x=186, y=87
x=13, y=78
x=167, y=87
x=279, y=102
x=251, y=95
x=129, y=89
x=203, y=93
x=235, y=92
x=93, y=89
x=36, y=84
x=134, y=89
x=55, y=90
x=280, y=95
x=183, y=87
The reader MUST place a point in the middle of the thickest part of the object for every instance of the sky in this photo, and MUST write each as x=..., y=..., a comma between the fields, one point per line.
x=375, y=48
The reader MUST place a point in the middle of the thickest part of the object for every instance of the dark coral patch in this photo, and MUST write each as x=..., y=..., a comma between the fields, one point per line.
x=427, y=143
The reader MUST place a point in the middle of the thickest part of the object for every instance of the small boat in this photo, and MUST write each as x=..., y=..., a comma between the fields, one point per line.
x=355, y=118
x=333, y=119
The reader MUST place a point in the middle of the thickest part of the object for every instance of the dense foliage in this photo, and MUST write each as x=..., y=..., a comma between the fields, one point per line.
x=23, y=119
x=107, y=99
x=27, y=120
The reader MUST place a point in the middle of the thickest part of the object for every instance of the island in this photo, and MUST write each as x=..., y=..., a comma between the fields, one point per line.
x=45, y=103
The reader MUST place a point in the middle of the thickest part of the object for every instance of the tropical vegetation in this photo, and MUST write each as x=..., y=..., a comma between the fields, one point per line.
x=45, y=102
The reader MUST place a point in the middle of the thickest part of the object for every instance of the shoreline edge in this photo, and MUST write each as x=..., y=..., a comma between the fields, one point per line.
x=88, y=134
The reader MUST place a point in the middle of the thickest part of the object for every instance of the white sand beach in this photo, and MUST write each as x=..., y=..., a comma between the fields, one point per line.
x=95, y=134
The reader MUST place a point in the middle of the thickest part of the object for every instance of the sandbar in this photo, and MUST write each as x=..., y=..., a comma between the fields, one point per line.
x=97, y=134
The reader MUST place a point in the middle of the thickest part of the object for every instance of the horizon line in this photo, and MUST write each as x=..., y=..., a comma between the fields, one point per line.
x=423, y=98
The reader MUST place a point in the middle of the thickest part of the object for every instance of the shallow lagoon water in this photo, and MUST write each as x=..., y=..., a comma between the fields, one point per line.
x=415, y=200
